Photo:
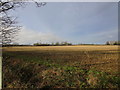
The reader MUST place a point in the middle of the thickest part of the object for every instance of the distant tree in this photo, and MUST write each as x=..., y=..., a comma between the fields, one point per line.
x=116, y=43
x=52, y=44
x=66, y=43
x=107, y=43
x=37, y=44
x=69, y=43
x=57, y=43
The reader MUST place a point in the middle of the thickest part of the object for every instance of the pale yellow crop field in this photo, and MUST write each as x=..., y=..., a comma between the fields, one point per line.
x=63, y=48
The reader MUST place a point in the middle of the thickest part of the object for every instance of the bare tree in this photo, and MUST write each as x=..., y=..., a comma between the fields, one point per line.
x=8, y=24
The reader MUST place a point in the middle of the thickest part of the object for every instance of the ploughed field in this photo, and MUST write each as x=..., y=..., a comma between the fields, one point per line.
x=84, y=66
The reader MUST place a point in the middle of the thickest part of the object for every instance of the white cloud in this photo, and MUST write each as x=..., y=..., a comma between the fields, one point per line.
x=27, y=36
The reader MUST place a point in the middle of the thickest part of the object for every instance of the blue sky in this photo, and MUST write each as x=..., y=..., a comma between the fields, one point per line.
x=80, y=22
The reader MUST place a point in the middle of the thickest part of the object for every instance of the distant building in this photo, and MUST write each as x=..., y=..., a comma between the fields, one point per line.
x=113, y=42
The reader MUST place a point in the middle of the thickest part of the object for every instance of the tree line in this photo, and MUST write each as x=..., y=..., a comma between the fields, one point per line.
x=53, y=44
x=60, y=44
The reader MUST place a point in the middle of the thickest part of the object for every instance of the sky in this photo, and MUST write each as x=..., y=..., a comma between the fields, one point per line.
x=75, y=22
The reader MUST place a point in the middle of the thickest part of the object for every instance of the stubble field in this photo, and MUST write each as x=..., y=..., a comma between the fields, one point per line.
x=82, y=66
